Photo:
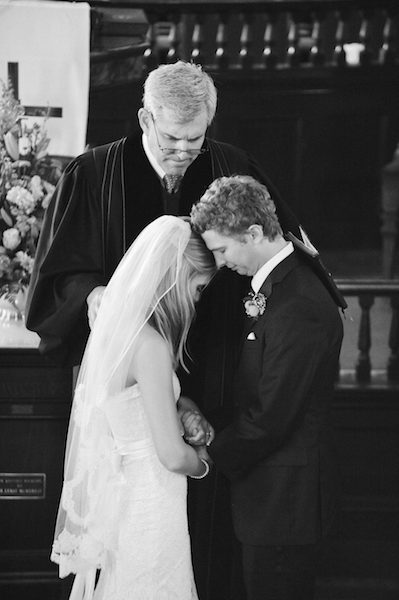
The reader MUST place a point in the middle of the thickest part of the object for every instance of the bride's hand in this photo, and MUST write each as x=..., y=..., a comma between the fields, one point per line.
x=202, y=453
x=197, y=430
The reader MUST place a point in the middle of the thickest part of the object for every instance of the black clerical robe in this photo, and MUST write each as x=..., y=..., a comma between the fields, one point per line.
x=102, y=202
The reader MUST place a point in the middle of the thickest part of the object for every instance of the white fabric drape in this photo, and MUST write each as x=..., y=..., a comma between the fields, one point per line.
x=50, y=44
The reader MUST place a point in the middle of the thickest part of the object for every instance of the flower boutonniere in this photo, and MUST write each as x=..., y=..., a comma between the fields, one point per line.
x=255, y=304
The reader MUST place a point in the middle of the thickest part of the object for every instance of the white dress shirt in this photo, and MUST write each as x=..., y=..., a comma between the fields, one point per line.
x=158, y=170
x=267, y=268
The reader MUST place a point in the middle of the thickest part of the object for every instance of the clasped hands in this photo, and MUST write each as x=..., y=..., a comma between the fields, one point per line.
x=198, y=432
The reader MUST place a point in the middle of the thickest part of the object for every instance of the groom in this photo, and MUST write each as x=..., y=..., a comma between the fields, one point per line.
x=276, y=451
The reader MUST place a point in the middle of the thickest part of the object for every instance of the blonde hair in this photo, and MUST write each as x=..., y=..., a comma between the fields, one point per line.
x=174, y=313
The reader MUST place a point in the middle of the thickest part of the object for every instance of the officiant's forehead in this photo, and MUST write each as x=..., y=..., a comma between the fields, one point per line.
x=172, y=125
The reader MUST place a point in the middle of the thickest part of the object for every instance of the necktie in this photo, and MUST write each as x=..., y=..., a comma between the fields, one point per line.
x=172, y=182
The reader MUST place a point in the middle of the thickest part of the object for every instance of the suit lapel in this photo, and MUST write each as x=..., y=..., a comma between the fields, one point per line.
x=249, y=326
x=278, y=274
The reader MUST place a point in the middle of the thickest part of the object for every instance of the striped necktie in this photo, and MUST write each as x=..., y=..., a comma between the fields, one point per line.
x=172, y=182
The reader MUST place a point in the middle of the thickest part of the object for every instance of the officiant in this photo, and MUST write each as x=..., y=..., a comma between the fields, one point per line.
x=105, y=197
x=109, y=194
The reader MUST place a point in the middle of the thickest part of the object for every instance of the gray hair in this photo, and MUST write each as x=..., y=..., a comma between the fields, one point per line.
x=182, y=87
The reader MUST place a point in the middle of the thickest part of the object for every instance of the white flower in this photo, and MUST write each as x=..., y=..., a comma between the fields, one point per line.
x=11, y=238
x=22, y=224
x=255, y=304
x=36, y=187
x=251, y=309
x=25, y=261
x=24, y=145
x=22, y=199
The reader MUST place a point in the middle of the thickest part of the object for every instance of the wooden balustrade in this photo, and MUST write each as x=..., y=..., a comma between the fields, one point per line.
x=366, y=291
x=261, y=35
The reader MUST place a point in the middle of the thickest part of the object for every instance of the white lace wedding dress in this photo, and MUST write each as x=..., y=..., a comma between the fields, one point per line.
x=153, y=559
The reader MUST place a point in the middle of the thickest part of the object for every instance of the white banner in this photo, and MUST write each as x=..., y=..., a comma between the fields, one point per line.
x=45, y=51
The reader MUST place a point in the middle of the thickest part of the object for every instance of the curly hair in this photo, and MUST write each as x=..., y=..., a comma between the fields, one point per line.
x=182, y=87
x=231, y=205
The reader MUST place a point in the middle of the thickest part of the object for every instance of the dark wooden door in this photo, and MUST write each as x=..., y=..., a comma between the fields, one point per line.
x=35, y=402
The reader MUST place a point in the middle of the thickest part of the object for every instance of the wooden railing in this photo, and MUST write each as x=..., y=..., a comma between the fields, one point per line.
x=367, y=291
x=266, y=35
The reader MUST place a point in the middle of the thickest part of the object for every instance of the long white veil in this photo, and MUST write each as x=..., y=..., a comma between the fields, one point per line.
x=85, y=528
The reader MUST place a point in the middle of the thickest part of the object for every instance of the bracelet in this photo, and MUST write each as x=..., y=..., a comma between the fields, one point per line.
x=206, y=463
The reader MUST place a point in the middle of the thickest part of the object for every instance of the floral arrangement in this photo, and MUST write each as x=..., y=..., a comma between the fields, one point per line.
x=255, y=304
x=27, y=179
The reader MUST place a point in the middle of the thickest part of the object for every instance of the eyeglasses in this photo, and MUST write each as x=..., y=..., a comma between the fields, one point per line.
x=165, y=150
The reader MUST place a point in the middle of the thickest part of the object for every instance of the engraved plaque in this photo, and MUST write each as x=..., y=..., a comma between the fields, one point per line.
x=22, y=486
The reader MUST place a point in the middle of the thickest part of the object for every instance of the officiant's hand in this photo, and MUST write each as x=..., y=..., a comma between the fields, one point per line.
x=93, y=303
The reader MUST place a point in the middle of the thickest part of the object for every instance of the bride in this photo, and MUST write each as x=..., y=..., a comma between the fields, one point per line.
x=123, y=504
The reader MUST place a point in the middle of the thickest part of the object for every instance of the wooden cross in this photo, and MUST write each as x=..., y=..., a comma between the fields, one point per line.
x=30, y=111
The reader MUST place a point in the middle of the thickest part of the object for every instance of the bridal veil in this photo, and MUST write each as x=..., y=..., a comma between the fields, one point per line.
x=86, y=526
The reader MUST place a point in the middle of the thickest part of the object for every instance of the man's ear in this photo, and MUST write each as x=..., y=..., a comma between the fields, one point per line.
x=144, y=120
x=256, y=233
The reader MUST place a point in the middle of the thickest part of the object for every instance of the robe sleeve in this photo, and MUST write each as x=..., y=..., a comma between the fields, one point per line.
x=68, y=265
x=286, y=217
x=230, y=160
x=290, y=224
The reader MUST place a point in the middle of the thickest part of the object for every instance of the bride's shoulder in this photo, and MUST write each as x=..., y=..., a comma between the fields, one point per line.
x=152, y=342
x=149, y=333
x=152, y=355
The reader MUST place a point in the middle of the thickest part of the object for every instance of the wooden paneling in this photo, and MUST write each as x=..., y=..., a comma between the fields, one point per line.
x=361, y=561
x=320, y=125
x=34, y=411
x=322, y=141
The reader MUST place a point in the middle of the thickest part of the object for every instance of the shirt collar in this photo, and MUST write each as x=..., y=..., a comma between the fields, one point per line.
x=159, y=171
x=267, y=268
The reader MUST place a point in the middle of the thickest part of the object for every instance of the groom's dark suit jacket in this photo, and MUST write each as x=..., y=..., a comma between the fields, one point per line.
x=278, y=452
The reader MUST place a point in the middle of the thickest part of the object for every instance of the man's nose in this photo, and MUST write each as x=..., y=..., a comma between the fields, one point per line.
x=220, y=262
x=182, y=146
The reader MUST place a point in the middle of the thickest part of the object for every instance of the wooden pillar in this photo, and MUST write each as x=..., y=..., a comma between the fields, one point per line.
x=390, y=209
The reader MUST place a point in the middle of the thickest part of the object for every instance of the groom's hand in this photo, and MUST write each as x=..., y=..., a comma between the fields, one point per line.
x=197, y=430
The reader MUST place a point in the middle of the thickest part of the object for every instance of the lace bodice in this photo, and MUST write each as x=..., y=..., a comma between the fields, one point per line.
x=153, y=558
x=128, y=421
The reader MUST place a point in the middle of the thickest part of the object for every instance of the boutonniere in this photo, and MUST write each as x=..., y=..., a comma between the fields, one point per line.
x=255, y=304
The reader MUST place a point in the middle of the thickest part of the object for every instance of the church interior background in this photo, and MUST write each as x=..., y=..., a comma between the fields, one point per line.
x=311, y=88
